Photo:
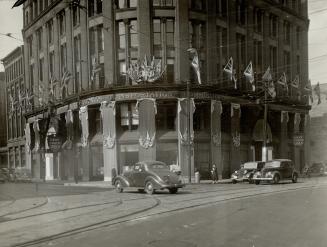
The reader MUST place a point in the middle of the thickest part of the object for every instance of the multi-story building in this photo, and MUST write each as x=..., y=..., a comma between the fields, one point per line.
x=113, y=75
x=3, y=122
x=14, y=91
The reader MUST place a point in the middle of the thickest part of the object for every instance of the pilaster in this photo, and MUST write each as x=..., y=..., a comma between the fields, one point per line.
x=235, y=137
x=216, y=140
x=283, y=135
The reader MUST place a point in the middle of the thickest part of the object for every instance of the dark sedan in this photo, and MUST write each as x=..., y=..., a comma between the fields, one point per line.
x=246, y=172
x=316, y=169
x=149, y=176
x=276, y=170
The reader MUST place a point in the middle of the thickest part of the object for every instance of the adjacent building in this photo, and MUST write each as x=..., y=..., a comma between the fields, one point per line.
x=14, y=91
x=3, y=122
x=108, y=81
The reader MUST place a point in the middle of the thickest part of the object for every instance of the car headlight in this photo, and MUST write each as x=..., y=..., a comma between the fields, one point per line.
x=248, y=175
x=236, y=172
x=234, y=176
x=268, y=174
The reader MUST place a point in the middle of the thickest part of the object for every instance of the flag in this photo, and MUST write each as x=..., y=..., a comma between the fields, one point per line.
x=229, y=69
x=18, y=3
x=267, y=75
x=96, y=68
x=195, y=63
x=317, y=92
x=283, y=81
x=296, y=82
x=249, y=75
x=271, y=89
x=308, y=89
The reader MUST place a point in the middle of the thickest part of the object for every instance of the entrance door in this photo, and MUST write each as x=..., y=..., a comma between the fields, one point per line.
x=202, y=159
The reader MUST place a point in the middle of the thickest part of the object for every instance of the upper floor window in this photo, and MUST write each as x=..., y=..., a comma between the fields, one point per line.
x=30, y=47
x=122, y=4
x=222, y=8
x=163, y=3
x=50, y=31
x=240, y=12
x=197, y=5
x=62, y=23
x=76, y=15
x=298, y=37
x=273, y=25
x=287, y=32
x=35, y=9
x=258, y=20
x=129, y=118
x=40, y=6
x=39, y=38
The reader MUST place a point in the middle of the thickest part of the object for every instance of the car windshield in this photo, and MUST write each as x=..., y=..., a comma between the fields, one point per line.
x=272, y=164
x=158, y=166
x=250, y=165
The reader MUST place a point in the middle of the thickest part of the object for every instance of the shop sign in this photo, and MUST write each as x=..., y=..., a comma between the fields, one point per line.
x=298, y=140
x=54, y=143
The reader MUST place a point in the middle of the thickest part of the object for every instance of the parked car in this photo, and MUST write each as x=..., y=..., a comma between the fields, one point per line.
x=276, y=170
x=245, y=173
x=22, y=174
x=148, y=176
x=7, y=174
x=316, y=169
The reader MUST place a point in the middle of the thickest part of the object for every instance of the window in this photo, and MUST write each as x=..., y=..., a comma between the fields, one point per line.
x=92, y=41
x=63, y=58
x=40, y=5
x=273, y=25
x=298, y=65
x=51, y=63
x=240, y=52
x=62, y=23
x=257, y=46
x=77, y=52
x=99, y=6
x=90, y=8
x=222, y=8
x=134, y=43
x=50, y=31
x=41, y=62
x=163, y=3
x=240, y=12
x=258, y=20
x=129, y=119
x=201, y=119
x=32, y=77
x=166, y=117
x=287, y=32
x=287, y=63
x=122, y=4
x=30, y=47
x=76, y=15
x=198, y=5
x=273, y=58
x=100, y=38
x=39, y=38
x=35, y=8
x=122, y=33
x=298, y=37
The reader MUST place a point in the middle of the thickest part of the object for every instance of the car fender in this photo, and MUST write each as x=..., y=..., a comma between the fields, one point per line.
x=122, y=179
x=274, y=173
x=156, y=182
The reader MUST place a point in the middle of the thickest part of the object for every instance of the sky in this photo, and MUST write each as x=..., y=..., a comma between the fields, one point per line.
x=12, y=21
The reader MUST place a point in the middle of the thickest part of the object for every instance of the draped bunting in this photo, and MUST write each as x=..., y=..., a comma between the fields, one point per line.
x=83, y=116
x=108, y=111
x=28, y=137
x=235, y=124
x=284, y=116
x=297, y=120
x=70, y=130
x=183, y=125
x=147, y=131
x=36, y=129
x=216, y=111
x=235, y=107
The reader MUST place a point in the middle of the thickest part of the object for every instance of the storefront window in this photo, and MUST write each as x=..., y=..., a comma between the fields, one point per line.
x=167, y=152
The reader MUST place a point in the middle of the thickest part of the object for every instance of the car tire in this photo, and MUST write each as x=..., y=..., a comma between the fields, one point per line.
x=149, y=188
x=234, y=181
x=294, y=178
x=257, y=182
x=173, y=190
x=140, y=190
x=276, y=179
x=119, y=186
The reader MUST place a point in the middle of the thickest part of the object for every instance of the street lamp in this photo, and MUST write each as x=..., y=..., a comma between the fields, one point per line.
x=189, y=143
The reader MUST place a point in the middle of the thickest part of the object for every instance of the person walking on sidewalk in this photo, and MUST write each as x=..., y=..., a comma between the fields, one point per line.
x=214, y=174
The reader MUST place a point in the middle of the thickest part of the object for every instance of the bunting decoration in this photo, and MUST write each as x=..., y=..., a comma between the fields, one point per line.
x=284, y=117
x=41, y=95
x=108, y=112
x=296, y=82
x=27, y=131
x=182, y=124
x=96, y=68
x=235, y=107
x=229, y=69
x=83, y=116
x=28, y=98
x=20, y=99
x=12, y=104
x=249, y=75
x=297, y=118
x=308, y=90
x=271, y=89
x=66, y=77
x=236, y=139
x=267, y=75
x=216, y=111
x=283, y=82
x=316, y=89
x=68, y=144
x=52, y=87
x=195, y=63
x=36, y=129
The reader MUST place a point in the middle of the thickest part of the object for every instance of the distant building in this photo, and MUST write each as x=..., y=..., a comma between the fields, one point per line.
x=95, y=92
x=15, y=92
x=318, y=128
x=3, y=122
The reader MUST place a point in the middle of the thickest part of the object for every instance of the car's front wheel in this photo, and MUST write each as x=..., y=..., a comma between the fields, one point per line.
x=173, y=190
x=119, y=186
x=276, y=179
x=294, y=178
x=149, y=188
x=257, y=182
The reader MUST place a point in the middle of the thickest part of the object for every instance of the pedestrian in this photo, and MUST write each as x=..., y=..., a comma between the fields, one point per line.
x=214, y=174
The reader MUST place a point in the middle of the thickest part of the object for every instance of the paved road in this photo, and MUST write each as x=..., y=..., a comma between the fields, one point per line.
x=201, y=215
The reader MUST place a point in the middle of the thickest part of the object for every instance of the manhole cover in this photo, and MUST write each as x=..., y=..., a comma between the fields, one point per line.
x=170, y=243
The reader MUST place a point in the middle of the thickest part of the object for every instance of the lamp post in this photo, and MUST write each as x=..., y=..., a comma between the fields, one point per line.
x=189, y=143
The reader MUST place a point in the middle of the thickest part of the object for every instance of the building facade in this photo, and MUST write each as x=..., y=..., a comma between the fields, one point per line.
x=109, y=78
x=3, y=122
x=15, y=107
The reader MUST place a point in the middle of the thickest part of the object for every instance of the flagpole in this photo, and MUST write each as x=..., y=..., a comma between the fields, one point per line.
x=189, y=163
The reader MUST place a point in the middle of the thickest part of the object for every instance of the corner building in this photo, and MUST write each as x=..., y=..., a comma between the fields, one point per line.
x=77, y=56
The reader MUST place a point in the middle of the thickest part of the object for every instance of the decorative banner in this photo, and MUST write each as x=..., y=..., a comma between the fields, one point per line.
x=83, y=116
x=283, y=82
x=297, y=118
x=68, y=144
x=216, y=111
x=52, y=88
x=183, y=117
x=267, y=75
x=229, y=69
x=249, y=75
x=36, y=129
x=235, y=107
x=21, y=99
x=66, y=77
x=195, y=63
x=28, y=98
x=28, y=137
x=147, y=110
x=235, y=124
x=298, y=140
x=236, y=139
x=12, y=103
x=108, y=112
x=284, y=116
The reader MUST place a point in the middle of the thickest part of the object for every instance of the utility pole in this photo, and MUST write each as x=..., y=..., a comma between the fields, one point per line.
x=189, y=143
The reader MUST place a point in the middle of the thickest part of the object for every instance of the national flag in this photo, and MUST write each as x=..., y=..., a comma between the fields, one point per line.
x=267, y=75
x=271, y=89
x=229, y=69
x=18, y=3
x=296, y=82
x=317, y=92
x=195, y=63
x=96, y=68
x=65, y=79
x=249, y=75
x=308, y=89
x=283, y=81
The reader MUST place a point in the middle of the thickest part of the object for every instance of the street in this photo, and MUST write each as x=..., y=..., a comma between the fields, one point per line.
x=200, y=215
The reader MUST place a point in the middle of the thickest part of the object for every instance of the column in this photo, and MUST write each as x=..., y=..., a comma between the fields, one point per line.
x=147, y=110
x=307, y=146
x=85, y=155
x=108, y=114
x=296, y=147
x=109, y=34
x=182, y=65
x=182, y=132
x=211, y=42
x=235, y=137
x=283, y=135
x=28, y=156
x=49, y=166
x=144, y=22
x=216, y=111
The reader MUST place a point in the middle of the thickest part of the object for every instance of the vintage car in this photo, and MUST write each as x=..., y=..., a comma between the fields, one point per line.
x=276, y=170
x=148, y=176
x=316, y=169
x=246, y=172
